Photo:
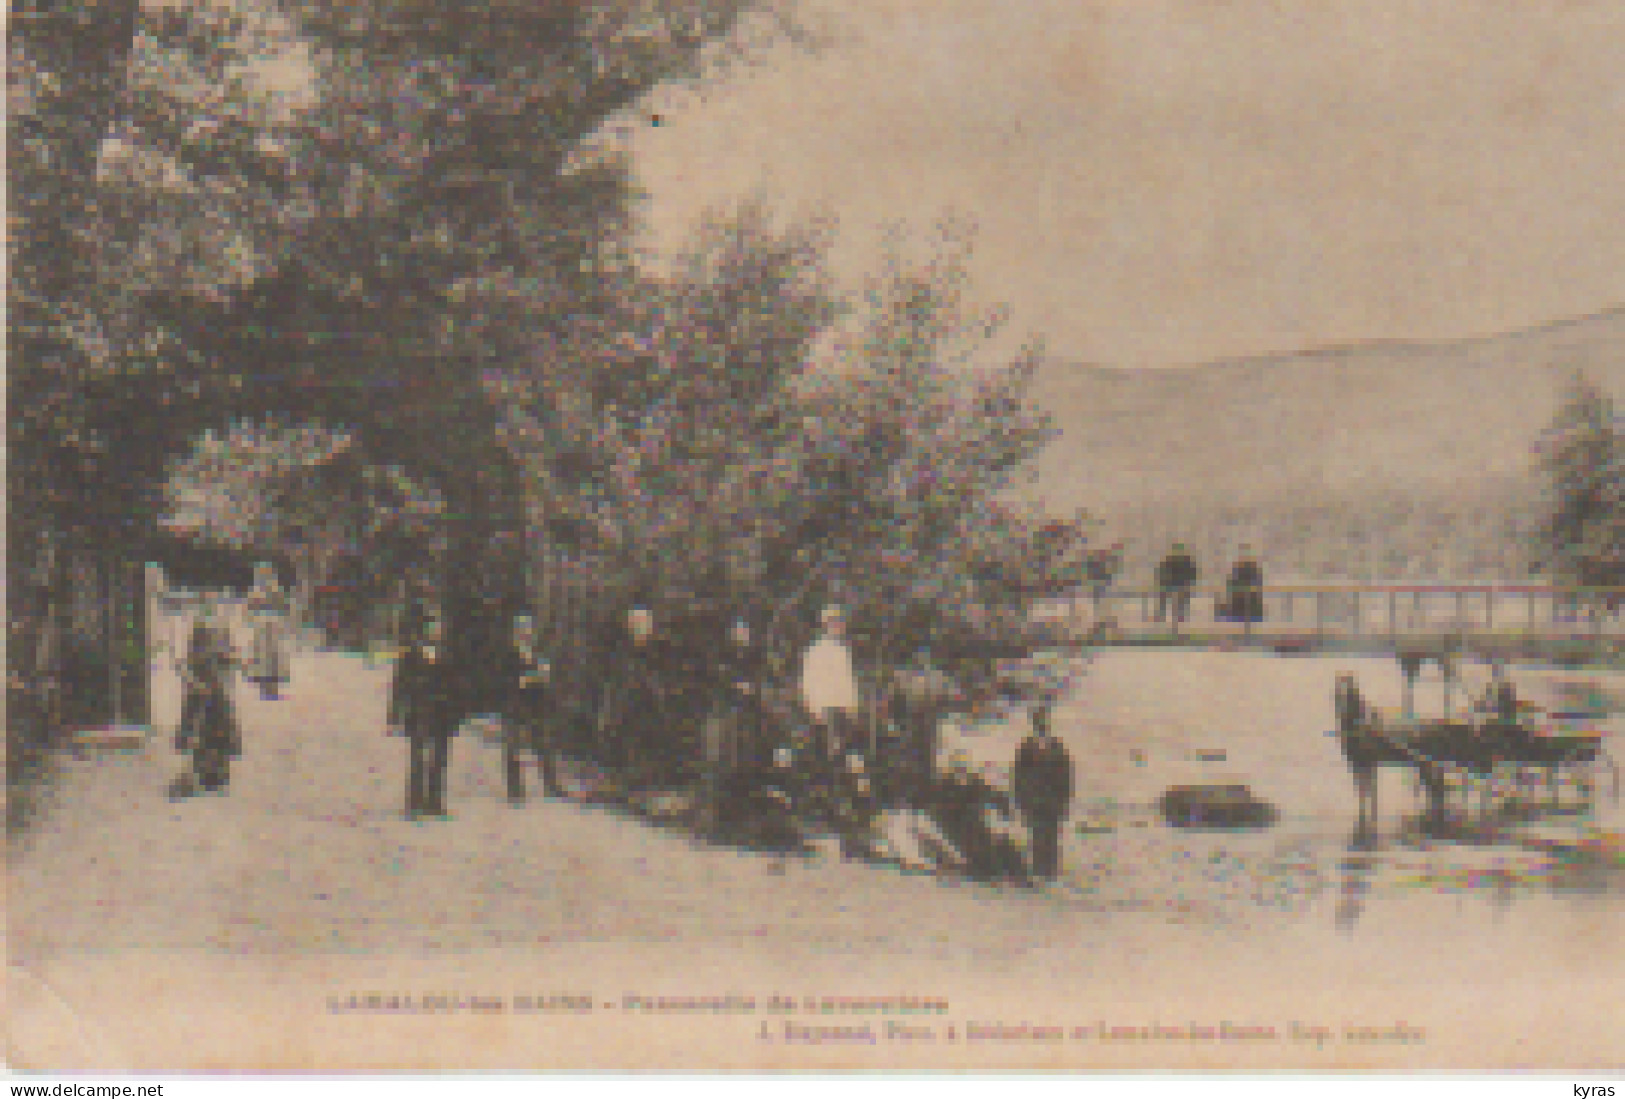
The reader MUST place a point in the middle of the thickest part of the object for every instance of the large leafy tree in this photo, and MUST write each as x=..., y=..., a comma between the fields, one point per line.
x=1582, y=540
x=743, y=434
x=107, y=208
x=319, y=257
x=447, y=162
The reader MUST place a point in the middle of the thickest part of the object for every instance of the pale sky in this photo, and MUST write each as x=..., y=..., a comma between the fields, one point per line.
x=1170, y=181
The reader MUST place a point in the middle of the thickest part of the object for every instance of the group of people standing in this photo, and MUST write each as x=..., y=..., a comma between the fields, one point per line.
x=1174, y=580
x=650, y=707
x=643, y=704
x=682, y=706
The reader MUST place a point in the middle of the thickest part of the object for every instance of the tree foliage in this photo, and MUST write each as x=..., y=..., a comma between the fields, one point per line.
x=427, y=251
x=1583, y=456
x=741, y=433
x=191, y=245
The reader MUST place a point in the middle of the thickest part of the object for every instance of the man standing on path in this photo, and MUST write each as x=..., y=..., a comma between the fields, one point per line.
x=527, y=724
x=268, y=612
x=829, y=691
x=423, y=706
x=1100, y=569
x=1041, y=782
x=636, y=719
x=829, y=686
x=731, y=729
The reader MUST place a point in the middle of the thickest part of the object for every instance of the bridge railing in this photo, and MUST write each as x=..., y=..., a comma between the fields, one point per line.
x=1365, y=610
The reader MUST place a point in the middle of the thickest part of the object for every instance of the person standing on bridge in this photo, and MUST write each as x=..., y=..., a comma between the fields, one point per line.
x=423, y=707
x=1176, y=576
x=1100, y=570
x=1245, y=594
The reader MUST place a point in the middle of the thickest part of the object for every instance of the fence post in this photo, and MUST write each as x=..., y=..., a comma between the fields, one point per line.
x=1320, y=613
x=1489, y=607
x=1531, y=596
x=1461, y=607
x=1393, y=616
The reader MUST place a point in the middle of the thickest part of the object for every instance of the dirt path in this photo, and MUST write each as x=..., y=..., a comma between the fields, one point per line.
x=149, y=934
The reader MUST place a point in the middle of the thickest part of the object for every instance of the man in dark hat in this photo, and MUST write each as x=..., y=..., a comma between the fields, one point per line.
x=423, y=705
x=1041, y=782
x=732, y=729
x=636, y=708
x=527, y=723
x=1176, y=576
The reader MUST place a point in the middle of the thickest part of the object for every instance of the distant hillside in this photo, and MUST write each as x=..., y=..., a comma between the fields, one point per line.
x=1420, y=441
x=1390, y=415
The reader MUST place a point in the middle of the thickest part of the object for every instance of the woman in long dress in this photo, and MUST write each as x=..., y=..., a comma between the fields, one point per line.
x=268, y=654
x=208, y=729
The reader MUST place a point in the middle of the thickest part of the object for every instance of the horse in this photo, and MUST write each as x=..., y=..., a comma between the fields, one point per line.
x=1432, y=748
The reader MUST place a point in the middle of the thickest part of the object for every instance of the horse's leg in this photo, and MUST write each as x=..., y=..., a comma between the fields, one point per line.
x=1372, y=776
x=1365, y=790
x=1433, y=781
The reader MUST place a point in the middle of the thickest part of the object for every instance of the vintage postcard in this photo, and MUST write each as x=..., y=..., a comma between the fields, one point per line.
x=815, y=535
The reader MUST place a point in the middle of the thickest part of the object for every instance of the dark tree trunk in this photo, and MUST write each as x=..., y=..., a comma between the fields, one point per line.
x=84, y=45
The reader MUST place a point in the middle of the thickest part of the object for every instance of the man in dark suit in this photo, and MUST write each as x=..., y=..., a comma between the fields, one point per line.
x=732, y=729
x=636, y=714
x=1041, y=782
x=423, y=705
x=527, y=723
x=1176, y=576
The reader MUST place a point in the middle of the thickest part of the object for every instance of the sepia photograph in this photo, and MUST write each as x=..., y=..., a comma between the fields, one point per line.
x=815, y=536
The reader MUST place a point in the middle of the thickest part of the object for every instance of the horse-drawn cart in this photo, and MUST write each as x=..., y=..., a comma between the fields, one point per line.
x=1565, y=735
